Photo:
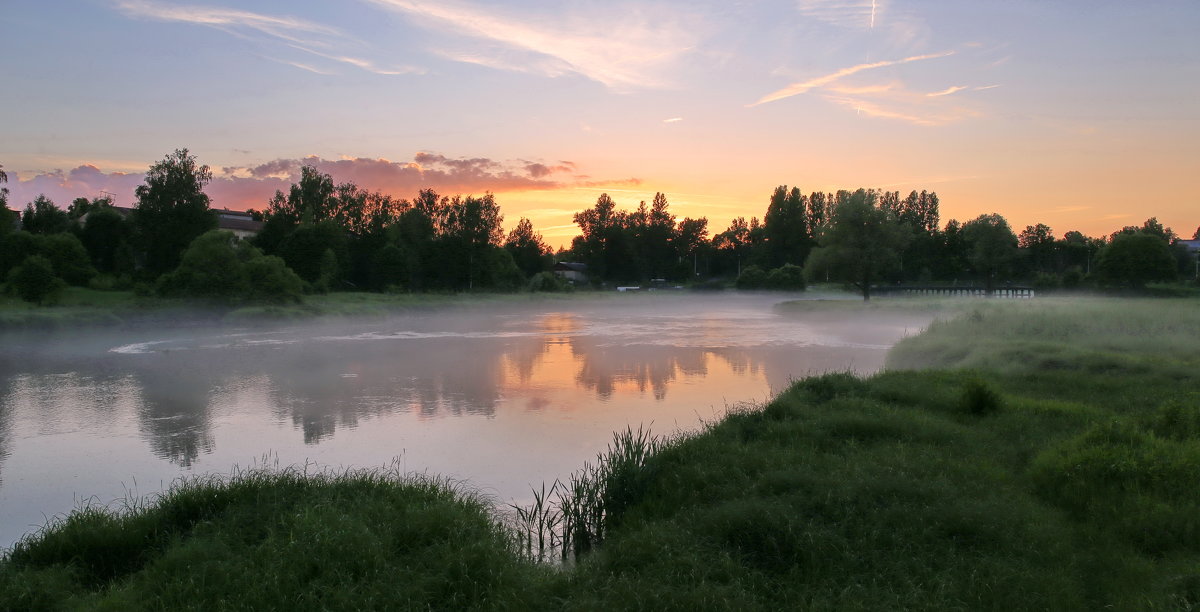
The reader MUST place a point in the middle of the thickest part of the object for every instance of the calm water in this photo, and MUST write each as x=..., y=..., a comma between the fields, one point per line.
x=502, y=397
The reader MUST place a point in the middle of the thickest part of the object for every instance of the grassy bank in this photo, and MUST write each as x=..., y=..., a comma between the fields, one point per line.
x=1019, y=455
x=80, y=308
x=1051, y=462
x=275, y=540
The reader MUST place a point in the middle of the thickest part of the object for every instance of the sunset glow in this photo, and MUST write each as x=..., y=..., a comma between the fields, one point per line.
x=1082, y=120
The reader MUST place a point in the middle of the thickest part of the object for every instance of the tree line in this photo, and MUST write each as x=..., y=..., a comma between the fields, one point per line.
x=322, y=236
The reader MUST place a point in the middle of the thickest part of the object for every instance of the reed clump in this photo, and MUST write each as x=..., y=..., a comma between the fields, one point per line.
x=573, y=517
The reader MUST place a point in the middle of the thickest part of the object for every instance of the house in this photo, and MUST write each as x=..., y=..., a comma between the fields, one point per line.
x=242, y=224
x=574, y=273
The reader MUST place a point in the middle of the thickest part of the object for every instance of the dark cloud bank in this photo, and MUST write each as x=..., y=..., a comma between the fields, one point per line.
x=241, y=187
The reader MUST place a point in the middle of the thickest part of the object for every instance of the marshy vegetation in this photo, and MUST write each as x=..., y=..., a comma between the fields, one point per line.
x=1021, y=455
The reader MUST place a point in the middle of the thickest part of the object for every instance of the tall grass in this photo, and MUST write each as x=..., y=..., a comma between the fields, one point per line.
x=574, y=516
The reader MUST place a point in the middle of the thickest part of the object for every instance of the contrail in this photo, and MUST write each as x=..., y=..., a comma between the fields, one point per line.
x=872, y=14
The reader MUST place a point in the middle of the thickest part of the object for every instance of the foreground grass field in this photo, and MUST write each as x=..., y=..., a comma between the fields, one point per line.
x=1019, y=455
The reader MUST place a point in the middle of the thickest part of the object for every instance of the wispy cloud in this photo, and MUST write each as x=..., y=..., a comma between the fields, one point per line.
x=851, y=90
x=914, y=108
x=947, y=91
x=293, y=32
x=630, y=53
x=361, y=63
x=805, y=86
x=673, y=120
x=302, y=66
x=229, y=20
x=872, y=109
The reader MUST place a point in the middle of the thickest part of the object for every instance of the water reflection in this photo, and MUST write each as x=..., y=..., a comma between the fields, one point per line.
x=74, y=408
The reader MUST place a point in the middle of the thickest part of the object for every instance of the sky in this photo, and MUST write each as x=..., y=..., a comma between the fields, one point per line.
x=1083, y=115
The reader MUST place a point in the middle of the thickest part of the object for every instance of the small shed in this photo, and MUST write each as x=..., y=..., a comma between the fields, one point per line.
x=574, y=273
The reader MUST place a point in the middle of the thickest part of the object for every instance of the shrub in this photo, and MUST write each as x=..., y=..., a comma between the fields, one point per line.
x=1046, y=282
x=1176, y=420
x=34, y=280
x=752, y=277
x=210, y=268
x=549, y=281
x=271, y=281
x=1072, y=277
x=834, y=384
x=70, y=260
x=979, y=398
x=787, y=277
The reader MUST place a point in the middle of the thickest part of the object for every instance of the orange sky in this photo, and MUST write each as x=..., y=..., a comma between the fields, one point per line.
x=1083, y=120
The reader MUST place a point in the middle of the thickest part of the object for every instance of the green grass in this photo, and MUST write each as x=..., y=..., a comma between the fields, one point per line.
x=277, y=540
x=1045, y=455
x=81, y=307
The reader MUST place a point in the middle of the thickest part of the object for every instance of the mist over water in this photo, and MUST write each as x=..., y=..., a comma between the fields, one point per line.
x=501, y=396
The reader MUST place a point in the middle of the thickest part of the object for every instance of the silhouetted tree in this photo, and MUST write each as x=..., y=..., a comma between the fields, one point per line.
x=992, y=247
x=861, y=241
x=786, y=228
x=1039, y=245
x=82, y=206
x=1136, y=258
x=106, y=237
x=472, y=229
x=597, y=226
x=172, y=210
x=1079, y=250
x=5, y=214
x=733, y=243
x=691, y=238
x=305, y=250
x=41, y=216
x=528, y=251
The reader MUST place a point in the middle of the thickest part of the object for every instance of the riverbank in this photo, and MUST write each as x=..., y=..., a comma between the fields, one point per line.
x=86, y=308
x=1020, y=455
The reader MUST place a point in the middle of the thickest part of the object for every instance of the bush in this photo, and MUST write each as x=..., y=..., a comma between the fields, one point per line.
x=1072, y=278
x=69, y=258
x=1046, y=282
x=210, y=268
x=1176, y=420
x=979, y=398
x=34, y=280
x=550, y=282
x=217, y=266
x=271, y=281
x=787, y=277
x=752, y=277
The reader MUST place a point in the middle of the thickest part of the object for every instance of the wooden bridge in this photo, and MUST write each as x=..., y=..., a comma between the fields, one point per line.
x=1000, y=291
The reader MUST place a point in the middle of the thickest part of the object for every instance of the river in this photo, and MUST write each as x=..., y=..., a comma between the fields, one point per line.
x=499, y=396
